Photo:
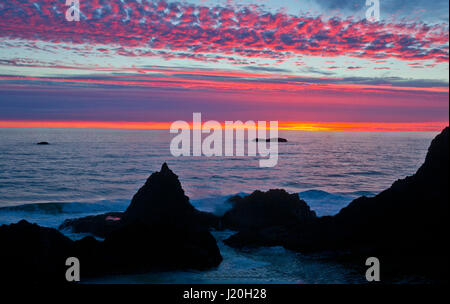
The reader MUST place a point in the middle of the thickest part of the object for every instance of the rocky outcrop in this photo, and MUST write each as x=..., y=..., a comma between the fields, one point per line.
x=160, y=230
x=138, y=247
x=266, y=209
x=265, y=218
x=31, y=252
x=404, y=226
x=42, y=143
x=161, y=200
x=278, y=139
x=98, y=225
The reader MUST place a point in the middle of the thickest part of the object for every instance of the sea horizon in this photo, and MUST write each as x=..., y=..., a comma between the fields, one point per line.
x=284, y=126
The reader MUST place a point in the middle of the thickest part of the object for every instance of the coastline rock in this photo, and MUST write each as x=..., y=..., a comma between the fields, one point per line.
x=160, y=230
x=265, y=218
x=98, y=225
x=34, y=253
x=278, y=139
x=138, y=248
x=264, y=237
x=160, y=200
x=410, y=215
x=404, y=226
x=266, y=209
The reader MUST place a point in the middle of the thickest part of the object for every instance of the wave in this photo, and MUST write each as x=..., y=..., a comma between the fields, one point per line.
x=52, y=214
x=325, y=203
x=322, y=202
x=68, y=207
x=215, y=204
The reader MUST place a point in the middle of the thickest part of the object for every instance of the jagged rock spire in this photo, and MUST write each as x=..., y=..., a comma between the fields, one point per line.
x=161, y=197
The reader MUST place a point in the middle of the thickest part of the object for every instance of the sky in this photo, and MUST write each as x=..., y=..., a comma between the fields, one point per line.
x=310, y=64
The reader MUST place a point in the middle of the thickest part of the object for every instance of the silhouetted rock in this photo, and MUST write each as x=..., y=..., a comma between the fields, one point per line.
x=138, y=247
x=42, y=143
x=263, y=237
x=266, y=209
x=161, y=200
x=404, y=226
x=265, y=218
x=160, y=230
x=30, y=253
x=278, y=139
x=98, y=225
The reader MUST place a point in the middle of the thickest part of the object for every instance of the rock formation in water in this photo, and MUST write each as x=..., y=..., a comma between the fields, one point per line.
x=263, y=209
x=160, y=200
x=278, y=139
x=404, y=226
x=160, y=230
x=265, y=218
x=99, y=225
x=34, y=253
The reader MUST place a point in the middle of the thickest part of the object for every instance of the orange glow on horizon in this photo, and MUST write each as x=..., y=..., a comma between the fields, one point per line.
x=300, y=126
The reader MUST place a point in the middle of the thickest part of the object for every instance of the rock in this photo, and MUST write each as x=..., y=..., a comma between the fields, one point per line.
x=404, y=226
x=278, y=139
x=408, y=218
x=138, y=247
x=160, y=230
x=98, y=225
x=160, y=200
x=33, y=253
x=266, y=209
x=42, y=143
x=264, y=237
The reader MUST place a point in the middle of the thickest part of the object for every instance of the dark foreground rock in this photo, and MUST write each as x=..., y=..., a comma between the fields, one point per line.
x=98, y=225
x=405, y=226
x=160, y=230
x=265, y=209
x=265, y=218
x=162, y=200
x=31, y=252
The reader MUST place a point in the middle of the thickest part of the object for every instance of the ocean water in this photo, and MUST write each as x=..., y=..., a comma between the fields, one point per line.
x=91, y=171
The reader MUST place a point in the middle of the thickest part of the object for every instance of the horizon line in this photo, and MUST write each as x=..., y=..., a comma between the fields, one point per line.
x=283, y=126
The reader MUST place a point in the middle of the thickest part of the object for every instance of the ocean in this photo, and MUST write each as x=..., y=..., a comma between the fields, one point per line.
x=92, y=171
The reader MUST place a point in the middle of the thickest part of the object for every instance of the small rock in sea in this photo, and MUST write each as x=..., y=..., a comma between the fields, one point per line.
x=42, y=143
x=278, y=139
